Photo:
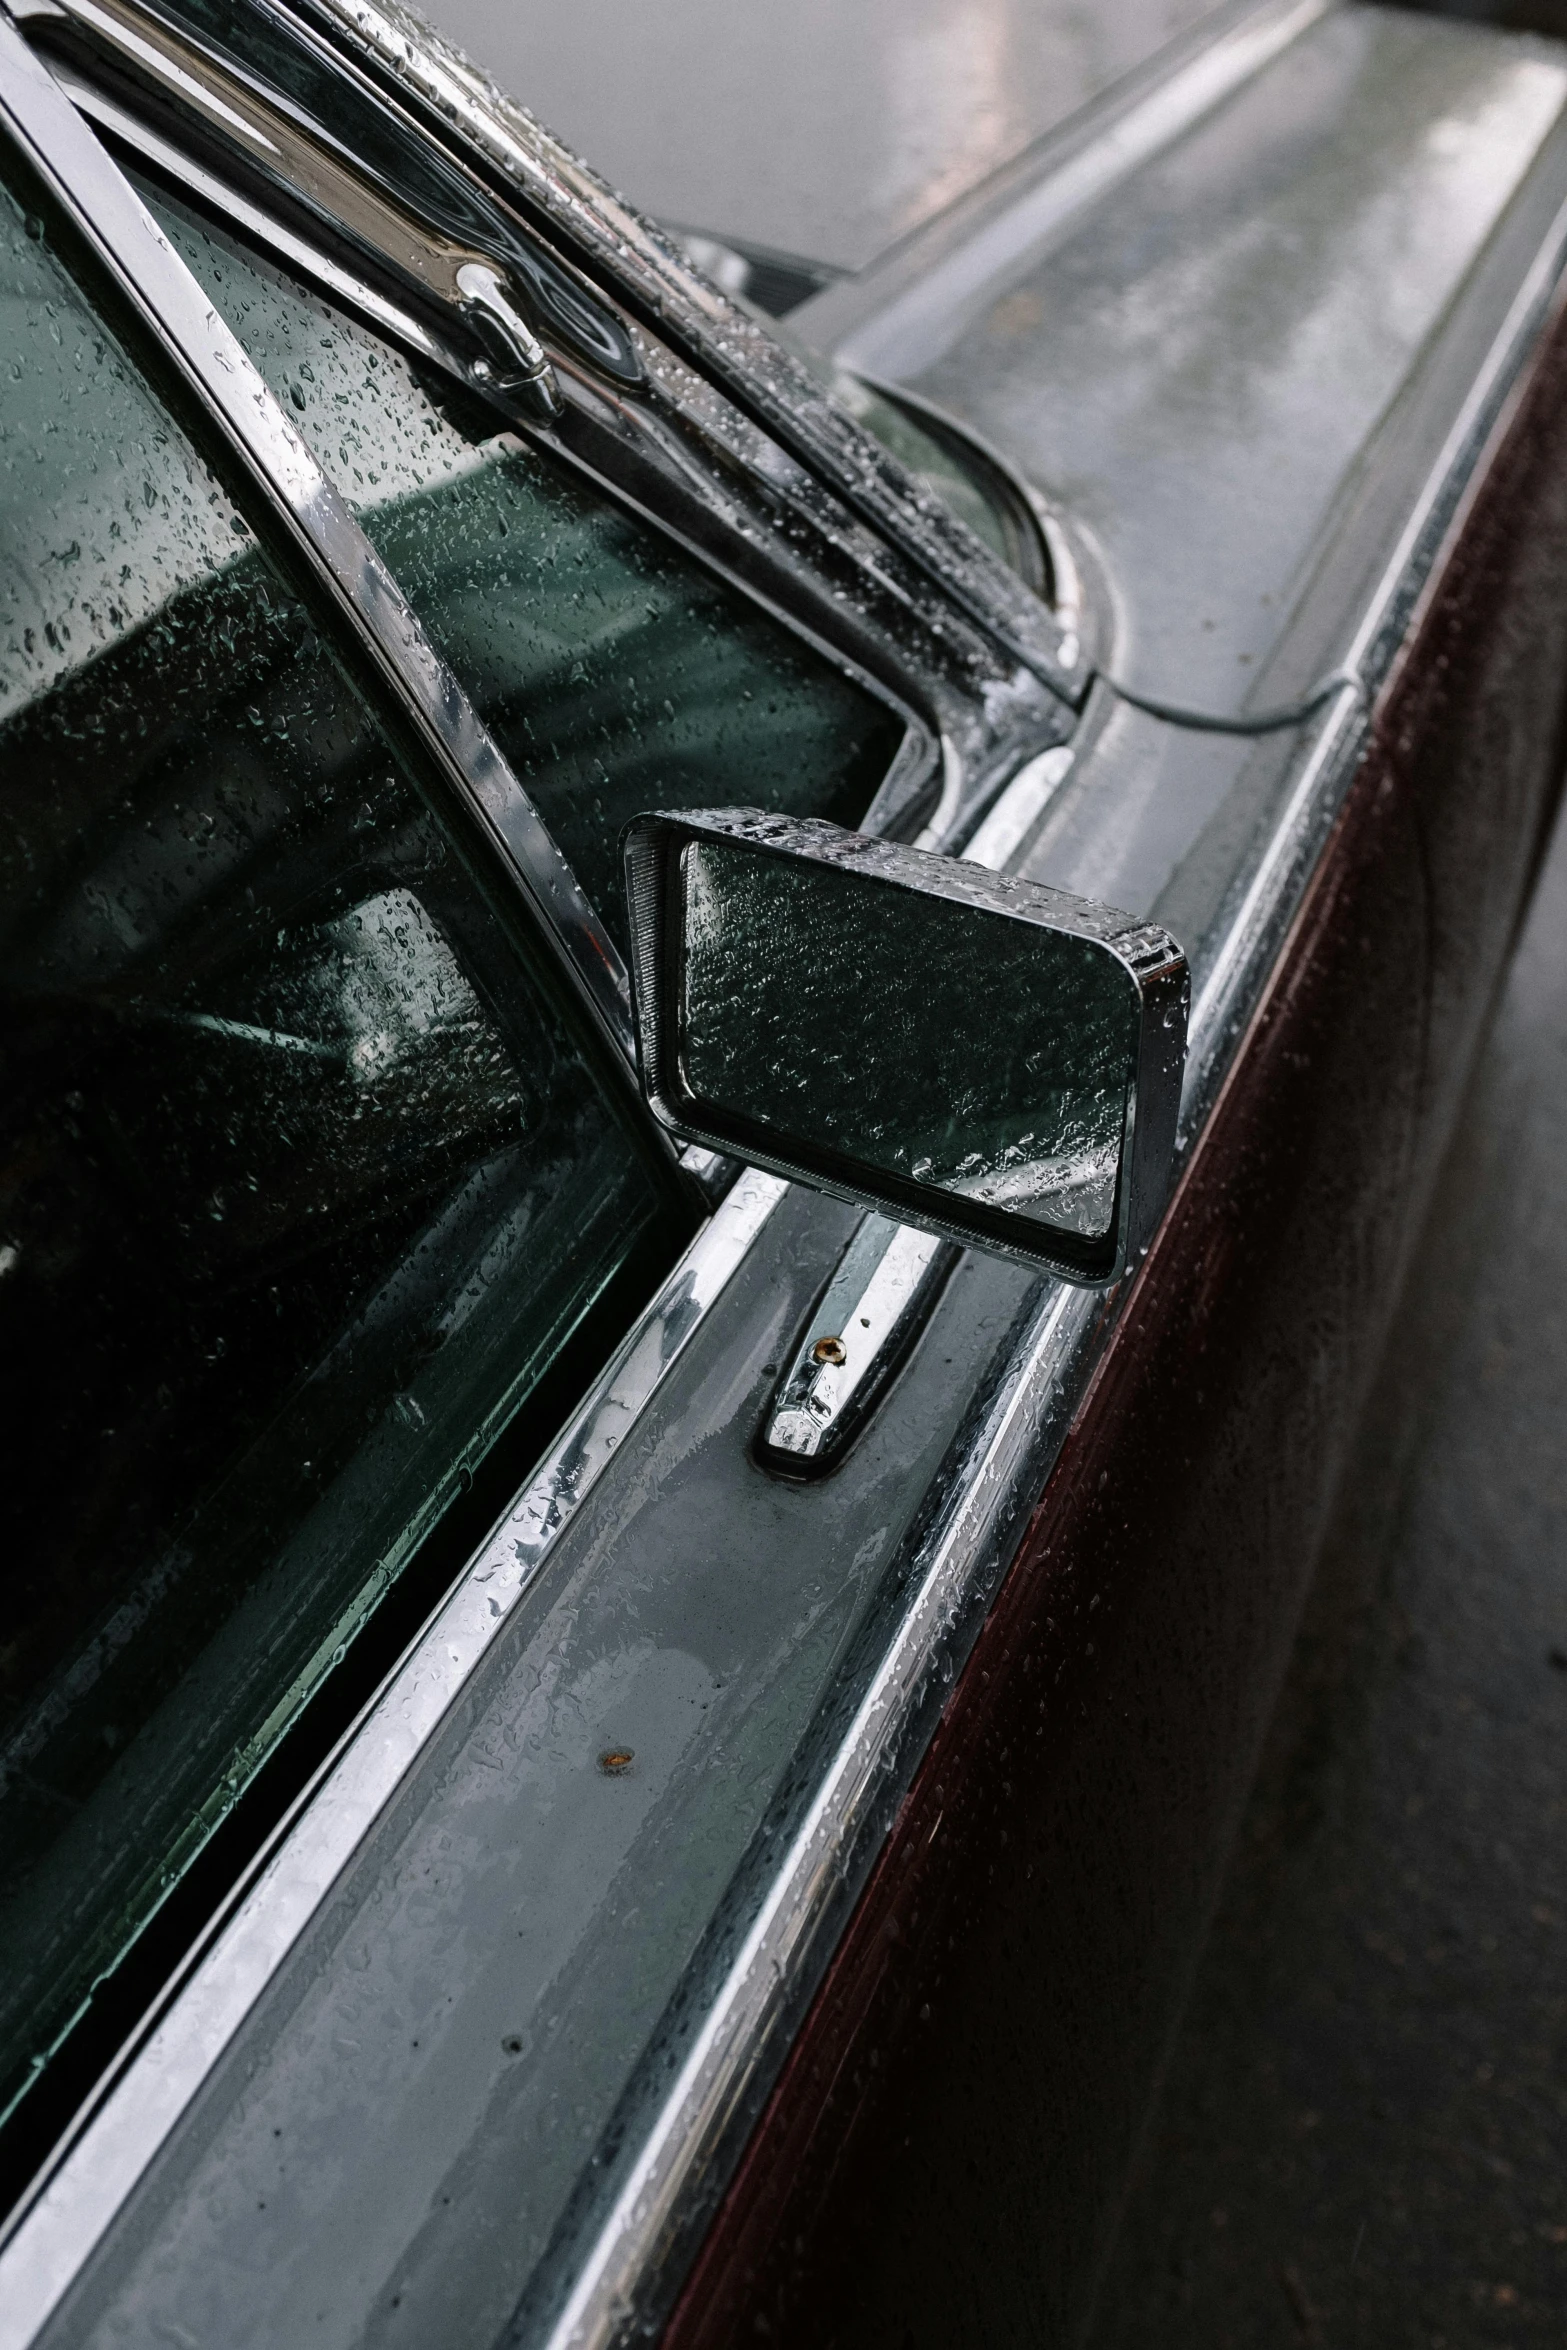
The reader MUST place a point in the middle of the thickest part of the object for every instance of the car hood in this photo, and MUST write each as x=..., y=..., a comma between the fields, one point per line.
x=823, y=128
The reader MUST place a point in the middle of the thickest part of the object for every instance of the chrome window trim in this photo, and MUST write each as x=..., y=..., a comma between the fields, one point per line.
x=919, y=755
x=835, y=583
x=309, y=260
x=623, y=2276
x=96, y=197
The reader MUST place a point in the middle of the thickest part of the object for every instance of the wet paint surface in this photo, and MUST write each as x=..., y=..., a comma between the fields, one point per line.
x=1203, y=359
x=828, y=128
x=691, y=1595
x=1364, y=2135
x=505, y=1946
x=957, y=2119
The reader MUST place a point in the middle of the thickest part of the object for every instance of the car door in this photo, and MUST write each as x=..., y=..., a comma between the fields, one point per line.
x=464, y=2030
x=330, y=1193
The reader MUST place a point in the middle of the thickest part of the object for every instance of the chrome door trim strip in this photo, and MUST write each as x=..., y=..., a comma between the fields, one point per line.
x=106, y=211
x=77, y=2199
x=736, y=2050
x=620, y=2290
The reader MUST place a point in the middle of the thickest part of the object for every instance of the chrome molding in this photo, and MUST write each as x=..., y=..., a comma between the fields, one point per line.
x=613, y=424
x=76, y=2201
x=284, y=150
x=625, y=2275
x=618, y=2293
x=1015, y=813
x=271, y=142
x=652, y=433
x=649, y=271
x=391, y=317
x=97, y=198
x=471, y=287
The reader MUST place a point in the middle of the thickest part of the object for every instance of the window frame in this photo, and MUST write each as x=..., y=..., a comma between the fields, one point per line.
x=106, y=241
x=679, y=452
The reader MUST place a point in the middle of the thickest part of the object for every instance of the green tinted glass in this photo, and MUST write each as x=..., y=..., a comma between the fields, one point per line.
x=617, y=674
x=955, y=471
x=303, y=1185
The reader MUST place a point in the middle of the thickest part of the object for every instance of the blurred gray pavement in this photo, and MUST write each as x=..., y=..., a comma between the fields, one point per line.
x=1363, y=2136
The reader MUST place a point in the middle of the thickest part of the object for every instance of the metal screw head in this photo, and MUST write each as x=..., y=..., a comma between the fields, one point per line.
x=829, y=1350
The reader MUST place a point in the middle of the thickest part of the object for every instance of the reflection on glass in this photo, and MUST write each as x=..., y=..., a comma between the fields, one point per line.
x=615, y=672
x=953, y=471
x=943, y=1043
x=302, y=1185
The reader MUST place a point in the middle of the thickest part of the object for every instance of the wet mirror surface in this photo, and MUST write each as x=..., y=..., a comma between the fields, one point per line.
x=934, y=1042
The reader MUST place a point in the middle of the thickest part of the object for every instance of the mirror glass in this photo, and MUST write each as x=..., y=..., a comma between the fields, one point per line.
x=940, y=1044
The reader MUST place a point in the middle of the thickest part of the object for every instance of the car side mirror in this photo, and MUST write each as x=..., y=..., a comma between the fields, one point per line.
x=993, y=1060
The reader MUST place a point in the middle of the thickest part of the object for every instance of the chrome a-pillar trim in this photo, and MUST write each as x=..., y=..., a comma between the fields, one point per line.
x=651, y=431
x=464, y=284
x=651, y=274
x=89, y=187
x=619, y=428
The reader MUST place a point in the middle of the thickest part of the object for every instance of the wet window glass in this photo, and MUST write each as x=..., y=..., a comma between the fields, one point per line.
x=953, y=470
x=615, y=672
x=303, y=1184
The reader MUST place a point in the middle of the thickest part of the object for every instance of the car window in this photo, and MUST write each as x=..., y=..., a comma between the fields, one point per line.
x=615, y=671
x=304, y=1186
x=953, y=470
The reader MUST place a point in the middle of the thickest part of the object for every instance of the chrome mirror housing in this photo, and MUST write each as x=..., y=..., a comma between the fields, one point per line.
x=994, y=1061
